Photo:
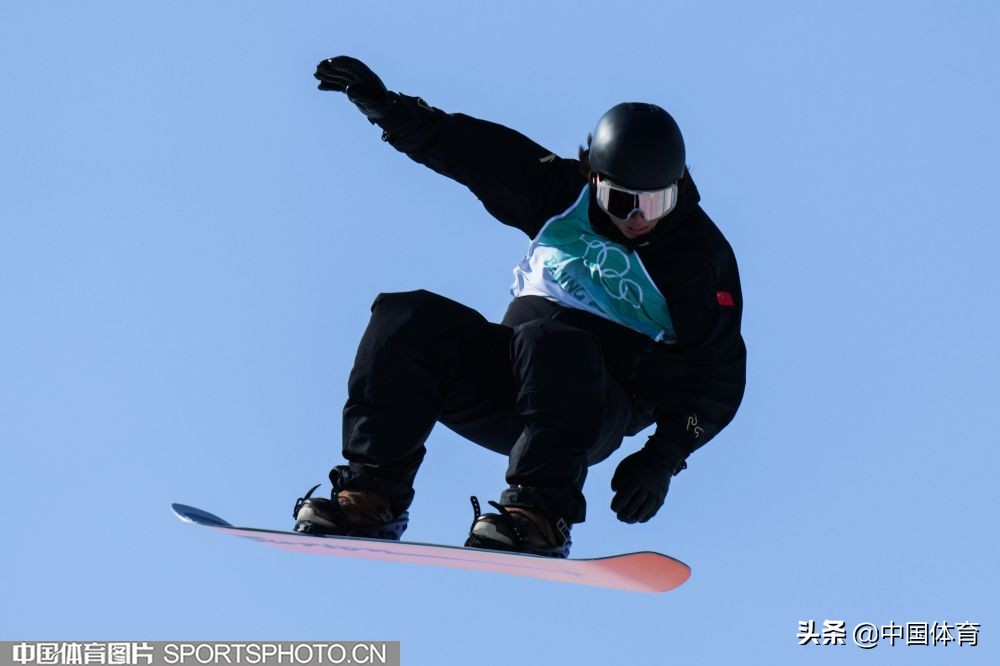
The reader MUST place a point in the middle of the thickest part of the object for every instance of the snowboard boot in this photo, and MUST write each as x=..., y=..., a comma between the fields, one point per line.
x=356, y=513
x=519, y=529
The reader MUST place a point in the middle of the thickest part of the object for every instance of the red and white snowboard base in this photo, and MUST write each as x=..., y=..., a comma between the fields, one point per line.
x=638, y=572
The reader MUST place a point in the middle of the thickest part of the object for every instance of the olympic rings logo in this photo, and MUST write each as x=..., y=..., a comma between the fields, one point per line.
x=612, y=278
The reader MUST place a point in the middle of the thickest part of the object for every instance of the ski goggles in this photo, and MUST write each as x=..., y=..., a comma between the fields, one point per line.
x=621, y=202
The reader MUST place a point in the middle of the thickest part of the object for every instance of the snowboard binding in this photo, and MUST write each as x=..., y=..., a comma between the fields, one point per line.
x=348, y=513
x=513, y=530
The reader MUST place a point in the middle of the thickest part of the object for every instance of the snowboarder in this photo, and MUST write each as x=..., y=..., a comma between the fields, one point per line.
x=626, y=313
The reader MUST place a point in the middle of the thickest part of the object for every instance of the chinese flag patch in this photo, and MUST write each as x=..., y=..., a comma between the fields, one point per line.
x=725, y=299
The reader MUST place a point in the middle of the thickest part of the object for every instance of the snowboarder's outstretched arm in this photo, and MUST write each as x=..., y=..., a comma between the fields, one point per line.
x=518, y=181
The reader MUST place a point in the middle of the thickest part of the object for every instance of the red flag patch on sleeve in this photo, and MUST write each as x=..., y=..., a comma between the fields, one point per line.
x=725, y=299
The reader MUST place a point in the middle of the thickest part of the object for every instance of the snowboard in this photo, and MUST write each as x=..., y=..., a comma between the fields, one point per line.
x=638, y=572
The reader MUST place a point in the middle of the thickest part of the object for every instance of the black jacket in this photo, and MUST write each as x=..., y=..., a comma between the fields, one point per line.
x=691, y=389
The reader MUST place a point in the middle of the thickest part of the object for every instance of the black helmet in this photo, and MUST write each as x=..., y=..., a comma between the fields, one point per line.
x=638, y=146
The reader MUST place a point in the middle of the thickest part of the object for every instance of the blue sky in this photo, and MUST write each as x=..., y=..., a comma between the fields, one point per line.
x=191, y=235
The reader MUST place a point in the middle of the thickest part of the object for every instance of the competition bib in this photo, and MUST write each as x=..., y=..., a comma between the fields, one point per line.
x=569, y=263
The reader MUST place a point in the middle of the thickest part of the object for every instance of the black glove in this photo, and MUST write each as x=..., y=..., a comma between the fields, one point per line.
x=640, y=483
x=351, y=76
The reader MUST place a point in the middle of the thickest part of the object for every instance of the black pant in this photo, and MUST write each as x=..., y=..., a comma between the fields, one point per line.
x=538, y=392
